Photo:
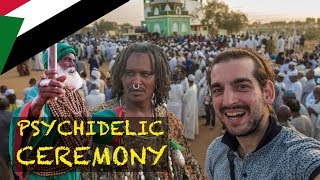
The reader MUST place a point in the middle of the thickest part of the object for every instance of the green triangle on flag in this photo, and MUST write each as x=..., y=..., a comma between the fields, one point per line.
x=10, y=27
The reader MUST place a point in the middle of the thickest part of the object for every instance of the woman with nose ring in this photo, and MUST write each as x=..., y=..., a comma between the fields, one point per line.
x=140, y=79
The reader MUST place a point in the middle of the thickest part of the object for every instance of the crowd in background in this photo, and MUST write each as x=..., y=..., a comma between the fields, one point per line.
x=297, y=85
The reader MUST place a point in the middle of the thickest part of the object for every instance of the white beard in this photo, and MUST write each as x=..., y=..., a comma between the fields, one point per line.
x=73, y=80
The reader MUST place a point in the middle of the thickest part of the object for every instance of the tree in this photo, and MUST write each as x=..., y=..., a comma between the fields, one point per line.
x=103, y=26
x=84, y=30
x=310, y=20
x=234, y=21
x=216, y=15
x=124, y=27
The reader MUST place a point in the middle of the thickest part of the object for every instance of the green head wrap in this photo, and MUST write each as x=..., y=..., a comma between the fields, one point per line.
x=62, y=50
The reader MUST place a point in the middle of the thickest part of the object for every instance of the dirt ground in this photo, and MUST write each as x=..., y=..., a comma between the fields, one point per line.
x=198, y=146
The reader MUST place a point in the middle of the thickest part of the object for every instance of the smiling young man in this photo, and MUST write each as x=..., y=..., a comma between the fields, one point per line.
x=255, y=145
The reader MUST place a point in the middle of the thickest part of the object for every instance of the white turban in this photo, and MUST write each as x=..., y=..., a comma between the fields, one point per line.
x=292, y=63
x=96, y=73
x=293, y=73
x=191, y=77
x=281, y=74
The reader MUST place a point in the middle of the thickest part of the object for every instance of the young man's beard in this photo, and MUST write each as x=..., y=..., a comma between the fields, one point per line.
x=253, y=125
x=73, y=80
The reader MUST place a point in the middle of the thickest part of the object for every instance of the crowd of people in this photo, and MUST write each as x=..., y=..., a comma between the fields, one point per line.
x=183, y=88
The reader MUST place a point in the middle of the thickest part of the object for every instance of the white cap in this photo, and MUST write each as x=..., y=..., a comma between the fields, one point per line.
x=292, y=63
x=302, y=72
x=96, y=73
x=9, y=92
x=293, y=73
x=281, y=74
x=191, y=77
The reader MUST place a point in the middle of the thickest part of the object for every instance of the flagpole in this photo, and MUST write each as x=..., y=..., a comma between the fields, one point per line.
x=52, y=62
x=52, y=59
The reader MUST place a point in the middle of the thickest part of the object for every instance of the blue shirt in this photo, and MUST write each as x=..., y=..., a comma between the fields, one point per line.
x=108, y=94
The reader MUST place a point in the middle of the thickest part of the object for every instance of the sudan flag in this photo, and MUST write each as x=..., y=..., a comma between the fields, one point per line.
x=30, y=26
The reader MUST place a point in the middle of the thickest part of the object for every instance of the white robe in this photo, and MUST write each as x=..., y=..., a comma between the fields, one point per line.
x=287, y=80
x=301, y=67
x=172, y=64
x=111, y=64
x=89, y=51
x=303, y=80
x=250, y=43
x=190, y=112
x=185, y=84
x=202, y=92
x=307, y=88
x=94, y=99
x=197, y=76
x=281, y=44
x=83, y=91
x=174, y=102
x=310, y=99
x=316, y=121
x=284, y=68
x=296, y=87
x=290, y=43
x=202, y=64
x=281, y=85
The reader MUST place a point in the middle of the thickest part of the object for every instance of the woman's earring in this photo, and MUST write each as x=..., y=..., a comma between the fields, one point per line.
x=153, y=99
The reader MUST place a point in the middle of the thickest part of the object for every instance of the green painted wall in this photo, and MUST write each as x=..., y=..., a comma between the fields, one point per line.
x=166, y=24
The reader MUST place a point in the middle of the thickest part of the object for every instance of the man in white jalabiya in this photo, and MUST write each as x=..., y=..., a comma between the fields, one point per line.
x=308, y=86
x=290, y=44
x=296, y=86
x=198, y=74
x=184, y=81
x=291, y=69
x=314, y=111
x=190, y=110
x=172, y=62
x=111, y=63
x=175, y=95
x=95, y=79
x=94, y=98
x=281, y=44
x=302, y=77
x=202, y=86
x=279, y=81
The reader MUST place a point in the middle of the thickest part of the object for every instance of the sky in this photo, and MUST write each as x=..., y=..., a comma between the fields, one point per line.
x=262, y=10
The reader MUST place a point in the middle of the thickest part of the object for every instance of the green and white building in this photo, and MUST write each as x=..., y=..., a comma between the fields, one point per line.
x=167, y=17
